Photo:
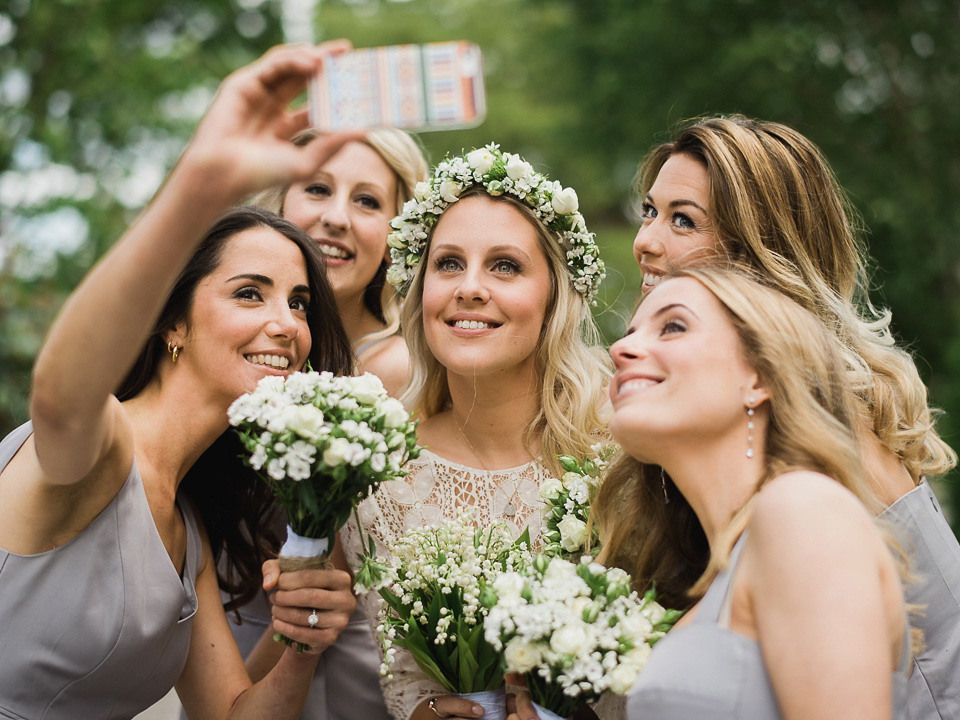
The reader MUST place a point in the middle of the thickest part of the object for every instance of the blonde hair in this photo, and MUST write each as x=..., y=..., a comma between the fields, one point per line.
x=405, y=157
x=776, y=206
x=813, y=422
x=570, y=361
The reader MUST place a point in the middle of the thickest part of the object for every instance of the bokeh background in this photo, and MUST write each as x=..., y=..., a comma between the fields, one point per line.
x=98, y=97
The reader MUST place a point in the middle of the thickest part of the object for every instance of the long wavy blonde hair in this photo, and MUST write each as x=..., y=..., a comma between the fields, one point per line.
x=775, y=205
x=573, y=368
x=812, y=381
x=405, y=157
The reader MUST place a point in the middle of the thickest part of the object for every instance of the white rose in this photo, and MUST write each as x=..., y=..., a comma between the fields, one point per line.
x=517, y=169
x=481, y=160
x=522, y=656
x=635, y=628
x=366, y=388
x=570, y=640
x=421, y=191
x=550, y=489
x=571, y=479
x=654, y=612
x=394, y=414
x=565, y=201
x=450, y=191
x=573, y=532
x=622, y=678
x=337, y=452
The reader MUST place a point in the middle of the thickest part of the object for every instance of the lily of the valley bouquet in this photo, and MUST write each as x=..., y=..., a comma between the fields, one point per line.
x=432, y=588
x=574, y=631
x=567, y=500
x=322, y=443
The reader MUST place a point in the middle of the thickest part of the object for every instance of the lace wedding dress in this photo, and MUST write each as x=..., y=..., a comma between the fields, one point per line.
x=437, y=489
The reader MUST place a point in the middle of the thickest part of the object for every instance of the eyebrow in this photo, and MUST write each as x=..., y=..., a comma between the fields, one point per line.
x=447, y=247
x=671, y=306
x=677, y=203
x=264, y=280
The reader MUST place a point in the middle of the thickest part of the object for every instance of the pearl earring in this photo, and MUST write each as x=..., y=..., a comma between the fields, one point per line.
x=750, y=426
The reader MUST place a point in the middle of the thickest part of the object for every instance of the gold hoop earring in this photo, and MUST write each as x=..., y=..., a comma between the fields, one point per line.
x=174, y=351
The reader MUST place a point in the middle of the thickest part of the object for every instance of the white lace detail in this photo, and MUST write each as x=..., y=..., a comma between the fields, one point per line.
x=434, y=490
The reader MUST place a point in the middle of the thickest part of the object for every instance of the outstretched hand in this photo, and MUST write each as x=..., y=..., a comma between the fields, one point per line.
x=298, y=595
x=243, y=142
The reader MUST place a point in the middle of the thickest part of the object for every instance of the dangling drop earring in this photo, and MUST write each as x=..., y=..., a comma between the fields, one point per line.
x=174, y=351
x=750, y=427
x=663, y=484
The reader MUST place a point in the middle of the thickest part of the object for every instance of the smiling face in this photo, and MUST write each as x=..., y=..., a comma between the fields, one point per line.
x=347, y=207
x=248, y=317
x=676, y=227
x=681, y=377
x=486, y=287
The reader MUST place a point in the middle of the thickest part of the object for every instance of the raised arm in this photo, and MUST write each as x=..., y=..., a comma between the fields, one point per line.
x=240, y=146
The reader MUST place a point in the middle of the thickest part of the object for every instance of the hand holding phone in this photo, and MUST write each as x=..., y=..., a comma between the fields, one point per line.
x=435, y=86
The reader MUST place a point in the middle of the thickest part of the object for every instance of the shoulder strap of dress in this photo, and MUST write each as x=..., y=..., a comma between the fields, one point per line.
x=717, y=595
x=11, y=444
x=367, y=344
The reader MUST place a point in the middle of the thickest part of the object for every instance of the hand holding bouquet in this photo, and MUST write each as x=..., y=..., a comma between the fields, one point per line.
x=432, y=589
x=574, y=631
x=322, y=443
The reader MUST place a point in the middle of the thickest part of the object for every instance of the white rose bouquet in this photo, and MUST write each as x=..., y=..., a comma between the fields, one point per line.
x=432, y=588
x=567, y=504
x=574, y=631
x=322, y=443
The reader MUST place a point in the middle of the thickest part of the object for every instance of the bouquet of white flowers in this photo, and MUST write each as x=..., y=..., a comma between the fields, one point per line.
x=432, y=588
x=567, y=504
x=574, y=631
x=322, y=443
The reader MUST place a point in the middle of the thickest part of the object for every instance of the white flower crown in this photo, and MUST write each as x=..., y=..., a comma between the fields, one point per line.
x=498, y=173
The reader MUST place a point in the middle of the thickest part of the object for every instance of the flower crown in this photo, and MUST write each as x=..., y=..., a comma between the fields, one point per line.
x=498, y=173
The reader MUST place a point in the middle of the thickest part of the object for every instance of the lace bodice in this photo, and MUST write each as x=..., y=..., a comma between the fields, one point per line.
x=437, y=489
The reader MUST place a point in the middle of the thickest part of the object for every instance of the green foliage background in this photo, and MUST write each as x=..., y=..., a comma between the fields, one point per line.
x=97, y=97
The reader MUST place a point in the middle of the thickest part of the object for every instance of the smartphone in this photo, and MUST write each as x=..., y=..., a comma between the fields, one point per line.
x=434, y=86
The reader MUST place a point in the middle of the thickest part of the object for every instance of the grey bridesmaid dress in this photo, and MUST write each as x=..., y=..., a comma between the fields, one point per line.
x=346, y=683
x=933, y=689
x=100, y=626
x=704, y=671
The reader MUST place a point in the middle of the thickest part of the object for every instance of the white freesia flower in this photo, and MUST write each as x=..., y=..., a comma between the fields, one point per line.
x=565, y=202
x=573, y=532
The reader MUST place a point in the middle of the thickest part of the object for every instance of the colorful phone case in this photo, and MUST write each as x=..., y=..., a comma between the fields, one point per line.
x=435, y=86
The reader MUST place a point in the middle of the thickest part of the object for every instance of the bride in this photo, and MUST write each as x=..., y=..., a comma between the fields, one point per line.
x=499, y=272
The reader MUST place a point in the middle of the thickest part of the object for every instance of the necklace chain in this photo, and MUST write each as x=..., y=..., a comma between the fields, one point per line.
x=508, y=510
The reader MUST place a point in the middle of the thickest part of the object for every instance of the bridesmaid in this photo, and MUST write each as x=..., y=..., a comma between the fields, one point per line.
x=346, y=207
x=108, y=582
x=734, y=410
x=763, y=194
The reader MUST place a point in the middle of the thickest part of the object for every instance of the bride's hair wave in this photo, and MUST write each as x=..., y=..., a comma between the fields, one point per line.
x=573, y=368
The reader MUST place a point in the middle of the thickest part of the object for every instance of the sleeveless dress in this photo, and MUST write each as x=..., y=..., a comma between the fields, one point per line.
x=934, y=685
x=704, y=671
x=100, y=626
x=346, y=683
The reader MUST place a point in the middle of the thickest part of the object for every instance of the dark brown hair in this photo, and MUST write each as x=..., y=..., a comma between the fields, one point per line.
x=232, y=501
